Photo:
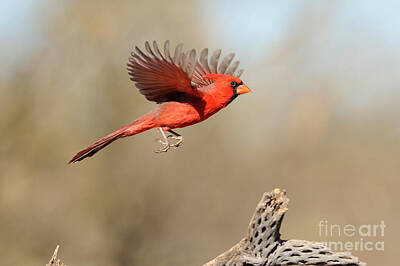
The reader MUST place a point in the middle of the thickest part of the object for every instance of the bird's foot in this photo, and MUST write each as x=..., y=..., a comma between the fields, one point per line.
x=165, y=146
x=179, y=141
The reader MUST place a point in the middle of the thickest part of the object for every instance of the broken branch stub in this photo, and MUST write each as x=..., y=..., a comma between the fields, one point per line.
x=54, y=261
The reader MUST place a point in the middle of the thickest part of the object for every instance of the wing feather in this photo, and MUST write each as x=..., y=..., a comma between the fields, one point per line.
x=205, y=66
x=232, y=68
x=157, y=50
x=225, y=63
x=214, y=61
x=157, y=76
x=191, y=63
x=166, y=52
x=204, y=60
x=178, y=52
x=161, y=77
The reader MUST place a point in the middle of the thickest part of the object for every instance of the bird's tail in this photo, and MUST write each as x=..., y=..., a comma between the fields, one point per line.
x=142, y=124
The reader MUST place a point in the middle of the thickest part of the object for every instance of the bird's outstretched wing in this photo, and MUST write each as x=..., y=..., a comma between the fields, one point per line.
x=205, y=66
x=161, y=77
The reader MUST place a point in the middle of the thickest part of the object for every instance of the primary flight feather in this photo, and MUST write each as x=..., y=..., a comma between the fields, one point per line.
x=188, y=89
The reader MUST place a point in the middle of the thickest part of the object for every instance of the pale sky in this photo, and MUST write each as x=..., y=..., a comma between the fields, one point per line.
x=263, y=24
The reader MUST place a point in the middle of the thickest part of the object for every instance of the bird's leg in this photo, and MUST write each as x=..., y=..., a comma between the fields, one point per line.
x=165, y=144
x=176, y=137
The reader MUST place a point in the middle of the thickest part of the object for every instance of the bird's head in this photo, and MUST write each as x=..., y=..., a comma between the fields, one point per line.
x=228, y=86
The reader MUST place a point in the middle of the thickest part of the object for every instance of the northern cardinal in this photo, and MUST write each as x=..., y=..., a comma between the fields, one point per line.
x=188, y=90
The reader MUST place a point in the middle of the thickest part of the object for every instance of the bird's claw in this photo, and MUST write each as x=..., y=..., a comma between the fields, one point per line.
x=166, y=145
x=179, y=141
x=164, y=148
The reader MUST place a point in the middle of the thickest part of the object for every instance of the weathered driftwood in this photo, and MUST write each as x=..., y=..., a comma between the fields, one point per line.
x=263, y=245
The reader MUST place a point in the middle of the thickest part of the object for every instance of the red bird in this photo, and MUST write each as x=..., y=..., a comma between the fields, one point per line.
x=188, y=90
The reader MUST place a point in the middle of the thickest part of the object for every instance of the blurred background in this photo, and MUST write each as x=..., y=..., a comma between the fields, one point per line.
x=322, y=122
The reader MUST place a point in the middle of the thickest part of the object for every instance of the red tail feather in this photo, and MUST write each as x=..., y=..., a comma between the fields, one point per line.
x=138, y=126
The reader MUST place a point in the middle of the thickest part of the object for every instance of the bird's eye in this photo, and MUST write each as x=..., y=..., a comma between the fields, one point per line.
x=233, y=84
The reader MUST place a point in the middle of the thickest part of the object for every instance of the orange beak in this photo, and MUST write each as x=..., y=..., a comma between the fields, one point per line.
x=242, y=89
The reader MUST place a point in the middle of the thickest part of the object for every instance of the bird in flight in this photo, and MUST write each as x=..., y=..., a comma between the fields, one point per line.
x=188, y=89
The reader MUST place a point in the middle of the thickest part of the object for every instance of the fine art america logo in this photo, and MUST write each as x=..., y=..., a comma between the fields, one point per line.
x=364, y=237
